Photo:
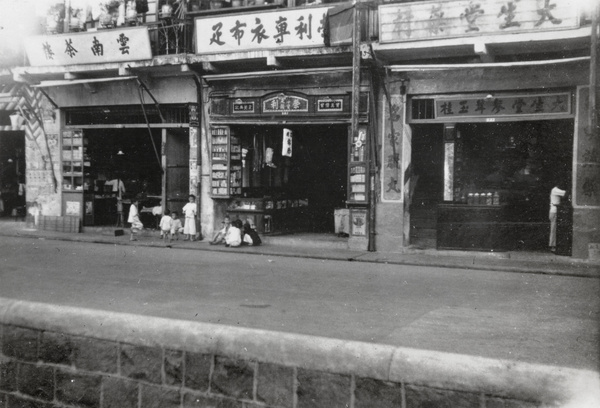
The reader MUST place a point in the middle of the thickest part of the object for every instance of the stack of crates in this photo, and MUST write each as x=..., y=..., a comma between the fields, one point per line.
x=60, y=224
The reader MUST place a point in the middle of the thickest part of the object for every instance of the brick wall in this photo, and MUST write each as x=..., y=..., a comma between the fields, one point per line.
x=108, y=360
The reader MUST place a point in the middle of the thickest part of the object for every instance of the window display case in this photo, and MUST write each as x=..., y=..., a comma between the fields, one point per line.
x=226, y=163
x=75, y=172
x=358, y=175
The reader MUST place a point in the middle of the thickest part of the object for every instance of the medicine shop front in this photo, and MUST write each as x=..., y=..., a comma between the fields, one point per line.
x=282, y=157
x=487, y=167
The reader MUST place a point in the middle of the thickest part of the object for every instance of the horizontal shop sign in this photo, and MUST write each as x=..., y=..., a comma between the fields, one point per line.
x=503, y=106
x=92, y=47
x=446, y=19
x=284, y=104
x=330, y=105
x=239, y=106
x=265, y=30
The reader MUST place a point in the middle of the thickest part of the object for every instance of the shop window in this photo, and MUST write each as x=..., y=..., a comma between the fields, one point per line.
x=108, y=115
x=513, y=164
x=422, y=109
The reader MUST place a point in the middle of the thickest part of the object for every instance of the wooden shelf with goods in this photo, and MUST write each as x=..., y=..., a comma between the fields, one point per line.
x=358, y=175
x=226, y=163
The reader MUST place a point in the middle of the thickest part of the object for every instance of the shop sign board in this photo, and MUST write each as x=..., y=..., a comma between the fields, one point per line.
x=239, y=106
x=330, y=105
x=430, y=20
x=115, y=45
x=285, y=104
x=261, y=31
x=509, y=106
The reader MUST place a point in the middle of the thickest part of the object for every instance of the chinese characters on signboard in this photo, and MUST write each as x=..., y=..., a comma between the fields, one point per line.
x=285, y=103
x=127, y=44
x=427, y=20
x=330, y=105
x=520, y=105
x=243, y=107
x=268, y=30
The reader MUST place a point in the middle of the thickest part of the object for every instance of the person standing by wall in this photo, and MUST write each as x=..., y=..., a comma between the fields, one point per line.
x=555, y=195
x=189, y=211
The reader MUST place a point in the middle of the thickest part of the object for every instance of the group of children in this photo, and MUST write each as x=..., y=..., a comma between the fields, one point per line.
x=170, y=226
x=233, y=234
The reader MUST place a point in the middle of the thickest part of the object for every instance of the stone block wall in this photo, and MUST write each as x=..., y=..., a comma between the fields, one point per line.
x=57, y=357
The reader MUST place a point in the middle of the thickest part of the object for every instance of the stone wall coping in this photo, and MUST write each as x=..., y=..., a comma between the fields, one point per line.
x=504, y=378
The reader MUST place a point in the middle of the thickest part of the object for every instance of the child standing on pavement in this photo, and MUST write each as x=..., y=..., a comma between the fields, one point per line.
x=166, y=223
x=190, y=210
x=176, y=227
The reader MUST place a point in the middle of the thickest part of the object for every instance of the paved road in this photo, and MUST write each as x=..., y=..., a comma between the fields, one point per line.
x=533, y=318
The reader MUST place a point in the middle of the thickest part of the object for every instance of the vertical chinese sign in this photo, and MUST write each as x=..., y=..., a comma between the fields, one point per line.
x=127, y=44
x=267, y=30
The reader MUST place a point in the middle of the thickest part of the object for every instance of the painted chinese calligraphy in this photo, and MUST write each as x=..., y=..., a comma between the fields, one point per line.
x=216, y=36
x=259, y=32
x=436, y=19
x=123, y=40
x=304, y=28
x=508, y=10
x=393, y=185
x=269, y=30
x=282, y=29
x=403, y=23
x=546, y=14
x=48, y=51
x=97, y=47
x=70, y=50
x=548, y=104
x=471, y=14
x=237, y=32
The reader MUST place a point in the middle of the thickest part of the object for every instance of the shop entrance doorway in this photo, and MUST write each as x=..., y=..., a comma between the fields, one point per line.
x=12, y=172
x=125, y=157
x=502, y=171
x=309, y=180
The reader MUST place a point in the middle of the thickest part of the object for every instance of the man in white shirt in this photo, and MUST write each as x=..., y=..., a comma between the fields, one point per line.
x=555, y=194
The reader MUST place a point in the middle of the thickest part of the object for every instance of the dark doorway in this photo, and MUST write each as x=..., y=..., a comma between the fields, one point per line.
x=128, y=155
x=316, y=170
x=427, y=160
x=12, y=171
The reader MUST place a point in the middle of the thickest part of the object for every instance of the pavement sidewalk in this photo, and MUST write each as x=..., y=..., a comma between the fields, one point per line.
x=521, y=262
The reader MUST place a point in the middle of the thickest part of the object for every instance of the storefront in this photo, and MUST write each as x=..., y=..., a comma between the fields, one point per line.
x=112, y=153
x=478, y=163
x=281, y=153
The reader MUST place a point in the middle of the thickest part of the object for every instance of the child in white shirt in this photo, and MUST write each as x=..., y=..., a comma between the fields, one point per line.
x=166, y=223
x=233, y=237
x=176, y=227
x=190, y=210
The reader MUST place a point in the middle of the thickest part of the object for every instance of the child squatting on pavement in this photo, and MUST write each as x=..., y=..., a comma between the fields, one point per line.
x=134, y=219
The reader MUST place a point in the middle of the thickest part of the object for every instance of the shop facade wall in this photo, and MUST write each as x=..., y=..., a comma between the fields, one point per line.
x=322, y=83
x=477, y=80
x=167, y=90
x=43, y=179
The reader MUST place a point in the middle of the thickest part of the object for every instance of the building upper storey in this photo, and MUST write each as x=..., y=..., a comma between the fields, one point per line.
x=102, y=37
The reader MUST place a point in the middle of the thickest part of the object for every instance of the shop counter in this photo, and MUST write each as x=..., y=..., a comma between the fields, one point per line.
x=271, y=216
x=477, y=227
x=489, y=228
